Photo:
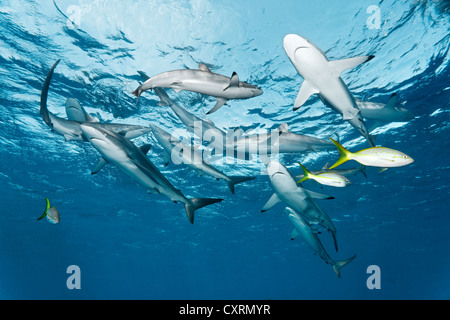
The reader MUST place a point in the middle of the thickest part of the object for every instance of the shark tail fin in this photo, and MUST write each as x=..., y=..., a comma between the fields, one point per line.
x=345, y=155
x=233, y=180
x=306, y=174
x=337, y=265
x=47, y=207
x=197, y=203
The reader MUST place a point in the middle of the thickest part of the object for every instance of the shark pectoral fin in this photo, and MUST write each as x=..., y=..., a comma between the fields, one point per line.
x=219, y=104
x=68, y=137
x=203, y=67
x=234, y=81
x=166, y=158
x=337, y=66
x=145, y=148
x=316, y=195
x=294, y=234
x=272, y=202
x=283, y=127
x=306, y=91
x=349, y=114
x=100, y=164
x=153, y=191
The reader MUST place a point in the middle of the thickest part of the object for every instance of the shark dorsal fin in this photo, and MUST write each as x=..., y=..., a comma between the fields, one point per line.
x=203, y=67
x=234, y=81
x=283, y=127
x=145, y=148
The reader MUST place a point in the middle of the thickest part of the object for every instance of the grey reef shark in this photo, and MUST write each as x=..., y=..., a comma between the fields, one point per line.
x=299, y=199
x=202, y=81
x=303, y=228
x=133, y=161
x=77, y=115
x=322, y=77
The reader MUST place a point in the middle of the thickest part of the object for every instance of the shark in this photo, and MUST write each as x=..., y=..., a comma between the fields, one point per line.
x=70, y=128
x=192, y=157
x=299, y=199
x=388, y=112
x=131, y=160
x=203, y=81
x=303, y=228
x=322, y=77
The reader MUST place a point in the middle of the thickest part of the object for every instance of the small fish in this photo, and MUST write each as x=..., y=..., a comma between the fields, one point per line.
x=326, y=178
x=51, y=213
x=376, y=157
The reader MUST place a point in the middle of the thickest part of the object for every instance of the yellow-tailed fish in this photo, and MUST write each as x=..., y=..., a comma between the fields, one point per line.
x=326, y=178
x=375, y=157
x=51, y=213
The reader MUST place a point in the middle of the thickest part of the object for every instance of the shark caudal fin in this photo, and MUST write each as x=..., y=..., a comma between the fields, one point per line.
x=197, y=203
x=306, y=174
x=345, y=155
x=337, y=265
x=233, y=180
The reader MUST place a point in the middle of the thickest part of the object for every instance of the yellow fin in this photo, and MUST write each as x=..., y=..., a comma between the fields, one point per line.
x=306, y=174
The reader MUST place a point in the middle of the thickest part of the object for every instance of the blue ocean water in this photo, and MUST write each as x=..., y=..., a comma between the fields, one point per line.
x=131, y=245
